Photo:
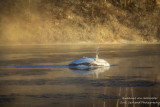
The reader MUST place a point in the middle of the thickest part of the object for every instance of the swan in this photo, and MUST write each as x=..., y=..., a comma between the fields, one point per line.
x=89, y=62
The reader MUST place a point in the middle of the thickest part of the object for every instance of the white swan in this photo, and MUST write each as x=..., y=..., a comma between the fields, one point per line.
x=89, y=62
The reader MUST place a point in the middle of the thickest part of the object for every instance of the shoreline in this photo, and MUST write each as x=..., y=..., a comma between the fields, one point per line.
x=86, y=43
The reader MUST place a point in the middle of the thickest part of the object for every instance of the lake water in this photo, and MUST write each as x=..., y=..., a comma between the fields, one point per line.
x=133, y=81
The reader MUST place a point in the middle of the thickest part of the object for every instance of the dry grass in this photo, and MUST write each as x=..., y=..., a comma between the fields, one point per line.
x=75, y=21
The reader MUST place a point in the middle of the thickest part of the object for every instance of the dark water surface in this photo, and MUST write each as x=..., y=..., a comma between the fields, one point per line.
x=133, y=82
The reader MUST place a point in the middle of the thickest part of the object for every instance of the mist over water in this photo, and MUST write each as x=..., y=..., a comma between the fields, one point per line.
x=136, y=75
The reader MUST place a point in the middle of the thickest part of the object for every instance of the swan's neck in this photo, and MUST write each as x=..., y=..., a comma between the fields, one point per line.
x=96, y=57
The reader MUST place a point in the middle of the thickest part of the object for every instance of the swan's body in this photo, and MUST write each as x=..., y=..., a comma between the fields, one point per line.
x=89, y=62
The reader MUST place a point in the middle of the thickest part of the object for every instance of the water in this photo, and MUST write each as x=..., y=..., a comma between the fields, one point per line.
x=132, y=82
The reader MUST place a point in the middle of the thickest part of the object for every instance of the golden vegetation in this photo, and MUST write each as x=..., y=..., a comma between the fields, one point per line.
x=63, y=21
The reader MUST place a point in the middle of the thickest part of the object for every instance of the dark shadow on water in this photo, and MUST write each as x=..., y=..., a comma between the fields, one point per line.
x=122, y=82
x=113, y=83
x=40, y=66
x=57, y=96
x=103, y=96
x=73, y=96
x=124, y=78
x=23, y=72
x=60, y=96
x=6, y=98
x=144, y=67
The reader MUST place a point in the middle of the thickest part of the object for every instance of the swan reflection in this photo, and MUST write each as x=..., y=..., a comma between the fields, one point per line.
x=90, y=70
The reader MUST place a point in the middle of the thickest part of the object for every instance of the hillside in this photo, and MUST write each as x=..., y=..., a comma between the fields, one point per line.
x=72, y=21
